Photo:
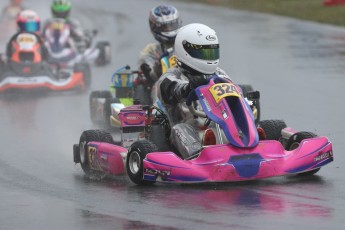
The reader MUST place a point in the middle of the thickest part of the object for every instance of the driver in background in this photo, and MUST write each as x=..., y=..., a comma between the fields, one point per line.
x=18, y=48
x=62, y=9
x=12, y=10
x=164, y=22
x=9, y=14
x=197, y=53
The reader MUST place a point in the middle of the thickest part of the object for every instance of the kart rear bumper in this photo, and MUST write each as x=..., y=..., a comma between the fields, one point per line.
x=15, y=82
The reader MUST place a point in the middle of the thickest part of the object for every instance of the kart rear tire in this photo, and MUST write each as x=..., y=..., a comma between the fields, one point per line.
x=86, y=70
x=143, y=94
x=86, y=137
x=107, y=109
x=104, y=57
x=294, y=142
x=93, y=106
x=248, y=88
x=134, y=161
x=272, y=128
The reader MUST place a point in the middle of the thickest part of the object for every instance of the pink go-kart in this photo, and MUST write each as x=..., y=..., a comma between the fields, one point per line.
x=234, y=147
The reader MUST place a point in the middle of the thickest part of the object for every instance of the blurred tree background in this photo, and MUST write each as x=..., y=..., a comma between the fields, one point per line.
x=313, y=10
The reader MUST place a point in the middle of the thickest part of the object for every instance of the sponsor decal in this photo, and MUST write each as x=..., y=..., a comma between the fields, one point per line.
x=57, y=25
x=26, y=41
x=27, y=80
x=26, y=38
x=155, y=172
x=225, y=115
x=91, y=154
x=211, y=37
x=94, y=164
x=323, y=156
x=208, y=107
x=132, y=118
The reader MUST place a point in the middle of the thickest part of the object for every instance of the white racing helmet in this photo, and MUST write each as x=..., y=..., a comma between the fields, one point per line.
x=197, y=48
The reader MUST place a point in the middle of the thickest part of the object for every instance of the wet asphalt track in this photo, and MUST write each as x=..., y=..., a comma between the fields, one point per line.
x=298, y=67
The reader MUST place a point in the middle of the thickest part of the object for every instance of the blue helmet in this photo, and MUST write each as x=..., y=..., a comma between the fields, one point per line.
x=28, y=21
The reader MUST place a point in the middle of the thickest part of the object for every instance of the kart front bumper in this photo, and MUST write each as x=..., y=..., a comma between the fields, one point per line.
x=222, y=163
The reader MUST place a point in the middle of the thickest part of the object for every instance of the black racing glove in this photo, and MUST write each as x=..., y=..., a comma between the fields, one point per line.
x=157, y=69
x=197, y=80
x=146, y=69
x=185, y=90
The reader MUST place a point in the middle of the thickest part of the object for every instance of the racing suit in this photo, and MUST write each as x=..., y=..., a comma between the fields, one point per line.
x=149, y=64
x=8, y=23
x=77, y=33
x=173, y=88
x=149, y=61
x=11, y=11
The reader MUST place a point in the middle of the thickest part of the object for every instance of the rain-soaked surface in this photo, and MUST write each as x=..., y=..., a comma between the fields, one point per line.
x=298, y=67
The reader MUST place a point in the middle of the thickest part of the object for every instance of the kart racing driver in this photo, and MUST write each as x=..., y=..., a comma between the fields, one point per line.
x=197, y=53
x=164, y=22
x=28, y=23
x=62, y=9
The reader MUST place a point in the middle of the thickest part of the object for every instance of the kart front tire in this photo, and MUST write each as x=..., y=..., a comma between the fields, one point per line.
x=293, y=143
x=272, y=128
x=86, y=137
x=134, y=161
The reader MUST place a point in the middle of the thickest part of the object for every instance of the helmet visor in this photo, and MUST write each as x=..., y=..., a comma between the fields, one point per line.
x=168, y=26
x=29, y=26
x=61, y=14
x=61, y=6
x=203, y=52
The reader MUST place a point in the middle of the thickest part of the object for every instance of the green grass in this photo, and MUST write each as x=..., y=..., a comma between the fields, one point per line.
x=312, y=10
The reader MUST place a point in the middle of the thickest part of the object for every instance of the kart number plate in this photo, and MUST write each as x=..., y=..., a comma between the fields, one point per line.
x=57, y=26
x=221, y=90
x=26, y=41
x=92, y=152
x=172, y=61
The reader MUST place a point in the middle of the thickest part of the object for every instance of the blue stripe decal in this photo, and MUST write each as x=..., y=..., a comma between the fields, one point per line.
x=323, y=163
x=157, y=163
x=310, y=166
x=175, y=178
x=314, y=150
x=149, y=177
x=246, y=165
x=185, y=178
